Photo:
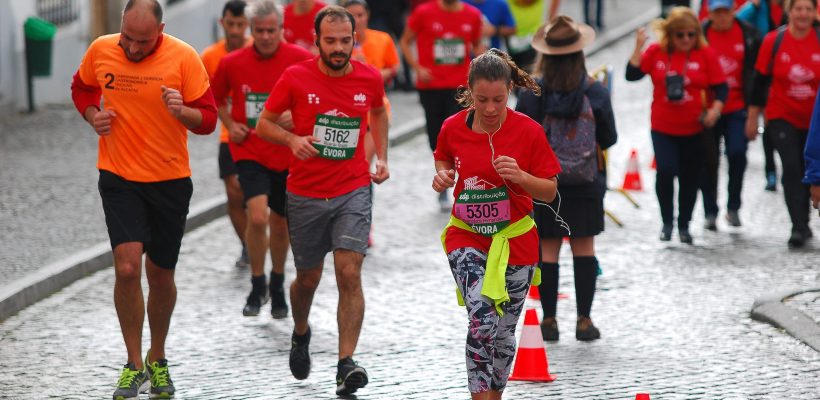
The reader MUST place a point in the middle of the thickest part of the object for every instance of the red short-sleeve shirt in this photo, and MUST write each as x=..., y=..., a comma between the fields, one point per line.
x=700, y=68
x=520, y=138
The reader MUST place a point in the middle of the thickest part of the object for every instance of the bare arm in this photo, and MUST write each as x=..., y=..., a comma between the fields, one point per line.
x=378, y=127
x=236, y=132
x=407, y=38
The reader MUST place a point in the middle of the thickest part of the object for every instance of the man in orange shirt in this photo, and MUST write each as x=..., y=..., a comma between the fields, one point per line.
x=155, y=89
x=234, y=25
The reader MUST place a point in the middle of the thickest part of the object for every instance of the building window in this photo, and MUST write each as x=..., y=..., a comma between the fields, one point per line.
x=58, y=12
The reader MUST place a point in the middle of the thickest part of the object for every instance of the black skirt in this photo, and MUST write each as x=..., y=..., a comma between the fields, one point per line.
x=584, y=215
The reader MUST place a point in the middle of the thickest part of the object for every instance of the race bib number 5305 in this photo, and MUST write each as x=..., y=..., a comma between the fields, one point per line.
x=336, y=137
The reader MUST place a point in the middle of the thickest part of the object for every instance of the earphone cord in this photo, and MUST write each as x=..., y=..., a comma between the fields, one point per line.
x=558, y=219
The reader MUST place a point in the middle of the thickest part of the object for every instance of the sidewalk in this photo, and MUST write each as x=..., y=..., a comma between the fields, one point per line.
x=51, y=221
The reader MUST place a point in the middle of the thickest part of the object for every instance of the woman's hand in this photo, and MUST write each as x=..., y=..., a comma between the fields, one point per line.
x=508, y=169
x=751, y=127
x=640, y=40
x=711, y=117
x=445, y=178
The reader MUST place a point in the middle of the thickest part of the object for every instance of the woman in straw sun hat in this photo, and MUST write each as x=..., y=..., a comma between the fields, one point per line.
x=577, y=117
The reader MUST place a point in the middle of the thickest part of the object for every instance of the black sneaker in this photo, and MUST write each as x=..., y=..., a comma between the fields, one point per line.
x=243, y=261
x=666, y=233
x=684, y=235
x=300, y=355
x=733, y=217
x=350, y=377
x=254, y=303
x=711, y=223
x=798, y=238
x=771, y=182
x=278, y=305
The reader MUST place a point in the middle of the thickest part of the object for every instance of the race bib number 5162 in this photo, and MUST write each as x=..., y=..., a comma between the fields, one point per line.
x=337, y=137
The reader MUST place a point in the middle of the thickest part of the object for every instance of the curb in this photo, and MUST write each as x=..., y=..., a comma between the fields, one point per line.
x=38, y=285
x=770, y=309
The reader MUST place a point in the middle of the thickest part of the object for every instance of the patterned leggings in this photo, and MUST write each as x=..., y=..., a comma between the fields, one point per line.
x=490, y=338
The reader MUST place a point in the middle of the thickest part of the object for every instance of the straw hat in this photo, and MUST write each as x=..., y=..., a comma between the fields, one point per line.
x=562, y=36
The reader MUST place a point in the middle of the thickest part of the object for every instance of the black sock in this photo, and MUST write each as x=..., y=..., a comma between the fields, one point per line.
x=258, y=284
x=276, y=282
x=301, y=339
x=549, y=288
x=586, y=276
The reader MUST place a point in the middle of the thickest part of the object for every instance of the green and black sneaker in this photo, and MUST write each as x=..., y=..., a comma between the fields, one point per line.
x=161, y=385
x=132, y=382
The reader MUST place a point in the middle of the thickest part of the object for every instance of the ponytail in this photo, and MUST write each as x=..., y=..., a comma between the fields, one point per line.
x=495, y=65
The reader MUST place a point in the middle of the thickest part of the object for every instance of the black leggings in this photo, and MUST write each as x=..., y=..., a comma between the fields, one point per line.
x=789, y=143
x=438, y=104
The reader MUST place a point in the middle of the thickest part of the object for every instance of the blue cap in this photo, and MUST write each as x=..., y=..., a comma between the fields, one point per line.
x=715, y=4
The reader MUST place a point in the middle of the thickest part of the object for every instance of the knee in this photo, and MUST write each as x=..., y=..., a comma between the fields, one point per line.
x=308, y=280
x=128, y=272
x=349, y=280
x=258, y=220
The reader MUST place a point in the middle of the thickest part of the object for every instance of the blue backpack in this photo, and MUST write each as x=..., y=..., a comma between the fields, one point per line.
x=573, y=142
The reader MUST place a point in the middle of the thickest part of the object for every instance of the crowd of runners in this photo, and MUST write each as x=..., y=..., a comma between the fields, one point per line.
x=303, y=118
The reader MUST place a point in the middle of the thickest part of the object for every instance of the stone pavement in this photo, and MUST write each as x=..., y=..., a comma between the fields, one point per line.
x=674, y=318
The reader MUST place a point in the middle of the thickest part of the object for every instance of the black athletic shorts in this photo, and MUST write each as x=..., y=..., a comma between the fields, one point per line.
x=153, y=213
x=227, y=166
x=255, y=179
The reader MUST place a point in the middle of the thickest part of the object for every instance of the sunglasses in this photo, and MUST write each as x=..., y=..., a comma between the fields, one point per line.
x=681, y=35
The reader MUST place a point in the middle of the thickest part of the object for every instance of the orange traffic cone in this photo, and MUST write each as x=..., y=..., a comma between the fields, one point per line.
x=632, y=179
x=642, y=396
x=533, y=293
x=531, y=360
x=654, y=164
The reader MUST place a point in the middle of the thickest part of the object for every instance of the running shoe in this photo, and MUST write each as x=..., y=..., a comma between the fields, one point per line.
x=254, y=303
x=350, y=377
x=684, y=235
x=300, y=355
x=666, y=233
x=243, y=261
x=711, y=223
x=161, y=385
x=771, y=181
x=733, y=217
x=132, y=382
x=278, y=305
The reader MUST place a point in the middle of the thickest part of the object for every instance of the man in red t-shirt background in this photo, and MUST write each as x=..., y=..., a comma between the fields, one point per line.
x=447, y=34
x=299, y=16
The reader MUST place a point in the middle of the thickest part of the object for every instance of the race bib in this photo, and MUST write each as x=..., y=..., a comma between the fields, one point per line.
x=449, y=51
x=254, y=104
x=486, y=211
x=337, y=137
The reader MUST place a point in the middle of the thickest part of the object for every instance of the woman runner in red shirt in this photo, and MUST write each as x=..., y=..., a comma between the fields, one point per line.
x=498, y=160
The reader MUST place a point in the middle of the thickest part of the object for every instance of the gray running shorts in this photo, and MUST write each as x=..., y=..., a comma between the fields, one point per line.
x=318, y=225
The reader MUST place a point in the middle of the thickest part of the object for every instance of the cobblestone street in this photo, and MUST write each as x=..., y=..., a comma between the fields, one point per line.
x=674, y=318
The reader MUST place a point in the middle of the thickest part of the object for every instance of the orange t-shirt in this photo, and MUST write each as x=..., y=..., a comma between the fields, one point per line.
x=146, y=143
x=211, y=57
x=378, y=51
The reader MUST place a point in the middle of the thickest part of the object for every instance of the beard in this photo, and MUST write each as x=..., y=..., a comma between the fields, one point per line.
x=327, y=59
